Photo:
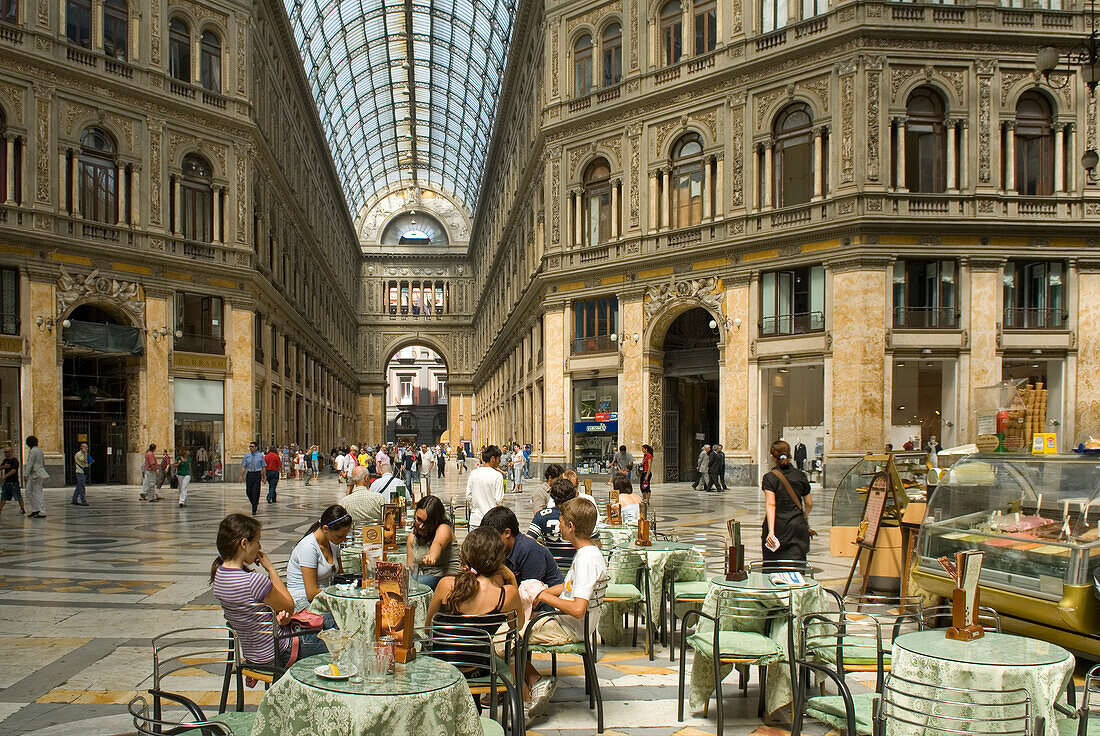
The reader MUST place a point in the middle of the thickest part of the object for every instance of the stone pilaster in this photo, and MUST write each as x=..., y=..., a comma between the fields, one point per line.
x=733, y=417
x=631, y=398
x=1087, y=408
x=557, y=423
x=985, y=319
x=42, y=379
x=240, y=420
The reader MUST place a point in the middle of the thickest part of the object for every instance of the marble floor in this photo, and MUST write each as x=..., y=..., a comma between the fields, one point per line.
x=86, y=588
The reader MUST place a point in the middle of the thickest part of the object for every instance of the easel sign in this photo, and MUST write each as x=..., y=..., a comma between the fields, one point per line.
x=867, y=533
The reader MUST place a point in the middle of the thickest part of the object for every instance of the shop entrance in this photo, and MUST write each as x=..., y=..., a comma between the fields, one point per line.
x=416, y=396
x=691, y=400
x=793, y=408
x=98, y=354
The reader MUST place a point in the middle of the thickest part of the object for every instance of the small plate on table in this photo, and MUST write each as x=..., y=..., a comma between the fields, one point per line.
x=324, y=671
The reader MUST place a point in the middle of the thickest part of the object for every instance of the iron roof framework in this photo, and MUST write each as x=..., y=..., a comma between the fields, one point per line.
x=406, y=89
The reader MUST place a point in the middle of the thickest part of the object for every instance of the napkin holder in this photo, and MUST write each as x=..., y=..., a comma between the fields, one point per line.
x=389, y=527
x=404, y=650
x=962, y=629
x=735, y=553
x=643, y=539
x=614, y=513
x=965, y=569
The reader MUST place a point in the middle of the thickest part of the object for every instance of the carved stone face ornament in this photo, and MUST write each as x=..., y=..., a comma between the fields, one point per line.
x=95, y=287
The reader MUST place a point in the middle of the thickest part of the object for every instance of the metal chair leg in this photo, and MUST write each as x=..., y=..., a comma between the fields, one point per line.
x=762, y=671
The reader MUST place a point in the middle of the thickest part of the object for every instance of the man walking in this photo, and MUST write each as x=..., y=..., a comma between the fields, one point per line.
x=9, y=476
x=80, y=461
x=36, y=478
x=252, y=472
x=721, y=456
x=484, y=486
x=427, y=465
x=149, y=475
x=702, y=483
x=273, y=464
x=715, y=468
x=441, y=460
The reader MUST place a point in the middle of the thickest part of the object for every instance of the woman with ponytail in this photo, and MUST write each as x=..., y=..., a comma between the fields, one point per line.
x=485, y=587
x=239, y=588
x=317, y=557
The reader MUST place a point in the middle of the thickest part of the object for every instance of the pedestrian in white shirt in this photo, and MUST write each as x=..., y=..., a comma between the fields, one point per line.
x=515, y=466
x=427, y=467
x=485, y=486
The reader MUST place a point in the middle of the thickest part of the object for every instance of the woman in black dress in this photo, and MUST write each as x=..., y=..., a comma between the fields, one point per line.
x=785, y=528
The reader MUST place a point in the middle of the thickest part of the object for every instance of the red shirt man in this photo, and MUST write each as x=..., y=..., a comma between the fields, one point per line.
x=272, y=461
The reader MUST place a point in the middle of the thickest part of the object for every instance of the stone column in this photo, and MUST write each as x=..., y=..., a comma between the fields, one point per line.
x=97, y=25
x=1010, y=157
x=157, y=411
x=719, y=202
x=177, y=199
x=120, y=194
x=217, y=197
x=239, y=418
x=964, y=155
x=666, y=199
x=631, y=405
x=41, y=376
x=951, y=158
x=857, y=389
x=733, y=387
x=63, y=187
x=1071, y=165
x=9, y=174
x=755, y=201
x=900, y=162
x=654, y=185
x=769, y=151
x=135, y=197
x=819, y=164
x=1059, y=158
x=578, y=217
x=707, y=183
x=556, y=421
x=615, y=209
x=986, y=295
x=74, y=170
x=1087, y=409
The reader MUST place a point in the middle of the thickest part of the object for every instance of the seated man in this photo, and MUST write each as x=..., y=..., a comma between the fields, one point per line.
x=527, y=559
x=540, y=498
x=362, y=503
x=577, y=522
x=387, y=483
x=545, y=526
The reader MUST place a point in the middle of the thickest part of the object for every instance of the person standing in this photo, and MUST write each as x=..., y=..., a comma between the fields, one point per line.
x=36, y=478
x=182, y=467
x=427, y=465
x=200, y=463
x=273, y=464
x=622, y=462
x=647, y=472
x=703, y=466
x=149, y=475
x=314, y=464
x=441, y=461
x=80, y=461
x=460, y=458
x=162, y=469
x=786, y=531
x=484, y=486
x=252, y=472
x=9, y=476
x=516, y=464
x=716, y=468
x=412, y=480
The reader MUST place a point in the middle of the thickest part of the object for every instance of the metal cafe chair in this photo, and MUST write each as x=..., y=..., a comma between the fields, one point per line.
x=939, y=617
x=628, y=574
x=151, y=724
x=210, y=648
x=909, y=706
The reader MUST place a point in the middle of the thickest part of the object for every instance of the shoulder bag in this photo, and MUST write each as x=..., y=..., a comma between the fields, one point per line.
x=794, y=498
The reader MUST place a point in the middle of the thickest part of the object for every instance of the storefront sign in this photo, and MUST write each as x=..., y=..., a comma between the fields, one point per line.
x=606, y=416
x=595, y=427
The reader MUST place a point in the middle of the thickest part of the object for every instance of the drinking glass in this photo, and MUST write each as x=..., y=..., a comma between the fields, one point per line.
x=379, y=661
x=358, y=648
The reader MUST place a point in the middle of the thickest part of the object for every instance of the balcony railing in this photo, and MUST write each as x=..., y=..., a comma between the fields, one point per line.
x=80, y=56
x=121, y=68
x=792, y=324
x=200, y=344
x=926, y=318
x=11, y=33
x=1034, y=318
x=181, y=88
x=596, y=344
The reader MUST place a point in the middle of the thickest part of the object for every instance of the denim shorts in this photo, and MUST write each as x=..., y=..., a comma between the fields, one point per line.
x=10, y=492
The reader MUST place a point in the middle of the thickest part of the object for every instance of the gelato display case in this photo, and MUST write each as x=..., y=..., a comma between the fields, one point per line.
x=1035, y=518
x=907, y=476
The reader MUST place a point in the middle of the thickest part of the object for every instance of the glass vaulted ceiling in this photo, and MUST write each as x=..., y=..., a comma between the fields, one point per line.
x=406, y=89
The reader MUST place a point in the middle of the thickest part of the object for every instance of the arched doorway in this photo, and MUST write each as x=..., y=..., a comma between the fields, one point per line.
x=99, y=352
x=691, y=400
x=416, y=396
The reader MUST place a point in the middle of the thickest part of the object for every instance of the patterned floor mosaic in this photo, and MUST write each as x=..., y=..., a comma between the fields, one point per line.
x=86, y=588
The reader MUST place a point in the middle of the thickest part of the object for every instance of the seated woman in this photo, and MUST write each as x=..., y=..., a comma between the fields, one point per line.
x=630, y=502
x=431, y=543
x=316, y=558
x=239, y=588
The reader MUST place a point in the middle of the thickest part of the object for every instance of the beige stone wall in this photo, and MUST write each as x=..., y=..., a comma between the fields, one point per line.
x=1087, y=409
x=858, y=365
x=632, y=407
x=156, y=411
x=556, y=419
x=733, y=422
x=239, y=416
x=985, y=320
x=42, y=382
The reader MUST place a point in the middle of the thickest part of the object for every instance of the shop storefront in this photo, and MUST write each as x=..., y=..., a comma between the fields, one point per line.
x=595, y=424
x=200, y=425
x=793, y=407
x=923, y=403
x=9, y=406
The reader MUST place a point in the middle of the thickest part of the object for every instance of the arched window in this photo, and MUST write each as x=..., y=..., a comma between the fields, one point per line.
x=925, y=142
x=612, y=45
x=210, y=62
x=78, y=22
x=197, y=199
x=1034, y=145
x=793, y=161
x=179, y=50
x=672, y=33
x=597, y=202
x=9, y=11
x=706, y=26
x=116, y=21
x=687, y=181
x=98, y=176
x=582, y=65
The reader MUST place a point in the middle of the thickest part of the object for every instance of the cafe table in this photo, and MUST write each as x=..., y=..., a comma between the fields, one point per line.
x=353, y=608
x=425, y=696
x=658, y=557
x=760, y=590
x=1000, y=662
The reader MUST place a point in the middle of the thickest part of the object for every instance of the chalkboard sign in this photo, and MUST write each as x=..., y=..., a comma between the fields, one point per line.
x=872, y=510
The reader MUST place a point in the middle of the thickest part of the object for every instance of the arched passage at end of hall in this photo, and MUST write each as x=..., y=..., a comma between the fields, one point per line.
x=416, y=395
x=101, y=353
x=690, y=391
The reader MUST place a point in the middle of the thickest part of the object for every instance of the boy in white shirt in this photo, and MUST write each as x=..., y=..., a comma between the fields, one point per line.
x=587, y=573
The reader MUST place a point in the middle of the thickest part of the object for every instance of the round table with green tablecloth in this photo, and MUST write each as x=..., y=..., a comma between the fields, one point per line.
x=658, y=557
x=999, y=662
x=354, y=608
x=757, y=588
x=425, y=696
